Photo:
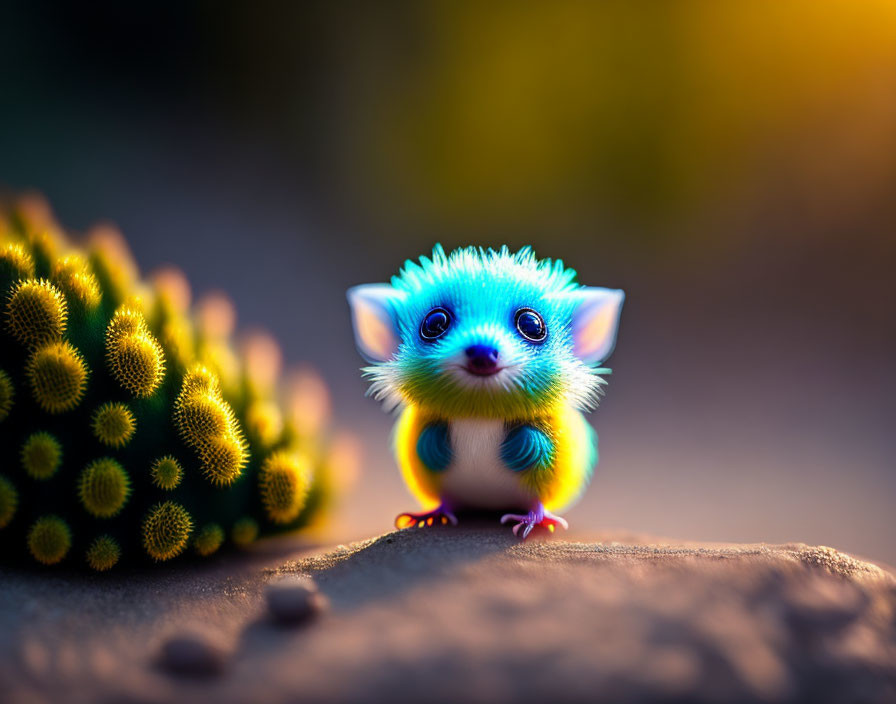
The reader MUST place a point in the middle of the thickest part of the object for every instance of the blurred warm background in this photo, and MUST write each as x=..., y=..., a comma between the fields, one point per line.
x=731, y=165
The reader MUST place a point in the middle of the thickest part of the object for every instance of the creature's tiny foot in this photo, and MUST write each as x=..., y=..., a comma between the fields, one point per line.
x=552, y=520
x=442, y=515
x=539, y=516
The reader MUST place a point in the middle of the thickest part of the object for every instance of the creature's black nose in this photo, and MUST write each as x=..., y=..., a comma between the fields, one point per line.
x=482, y=359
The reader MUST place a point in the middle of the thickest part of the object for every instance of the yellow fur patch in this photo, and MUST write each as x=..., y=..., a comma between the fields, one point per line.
x=558, y=487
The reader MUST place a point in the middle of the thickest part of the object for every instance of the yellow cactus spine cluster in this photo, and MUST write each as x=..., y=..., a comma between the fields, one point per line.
x=207, y=423
x=265, y=422
x=223, y=458
x=114, y=424
x=103, y=553
x=7, y=392
x=166, y=530
x=16, y=263
x=73, y=277
x=208, y=539
x=201, y=416
x=133, y=354
x=135, y=425
x=166, y=473
x=41, y=455
x=104, y=487
x=200, y=380
x=285, y=480
x=244, y=532
x=57, y=374
x=9, y=501
x=49, y=539
x=36, y=313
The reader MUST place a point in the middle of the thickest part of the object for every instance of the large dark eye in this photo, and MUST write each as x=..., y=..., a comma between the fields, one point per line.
x=531, y=325
x=435, y=324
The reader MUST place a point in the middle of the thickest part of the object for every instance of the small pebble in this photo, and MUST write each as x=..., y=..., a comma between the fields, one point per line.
x=294, y=600
x=192, y=655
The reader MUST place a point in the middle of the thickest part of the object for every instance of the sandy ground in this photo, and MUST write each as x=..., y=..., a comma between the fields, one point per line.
x=468, y=614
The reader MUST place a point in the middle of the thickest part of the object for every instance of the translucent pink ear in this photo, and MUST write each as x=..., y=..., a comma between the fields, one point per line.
x=375, y=331
x=595, y=322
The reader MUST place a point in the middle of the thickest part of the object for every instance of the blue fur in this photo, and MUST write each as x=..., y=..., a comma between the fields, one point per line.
x=526, y=446
x=434, y=447
x=482, y=289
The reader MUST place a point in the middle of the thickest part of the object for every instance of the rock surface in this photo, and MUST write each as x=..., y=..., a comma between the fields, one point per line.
x=469, y=614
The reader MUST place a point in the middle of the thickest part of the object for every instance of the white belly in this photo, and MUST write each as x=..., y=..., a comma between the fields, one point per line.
x=476, y=477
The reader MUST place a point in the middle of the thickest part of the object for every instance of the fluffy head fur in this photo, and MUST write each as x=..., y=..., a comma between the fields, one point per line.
x=482, y=290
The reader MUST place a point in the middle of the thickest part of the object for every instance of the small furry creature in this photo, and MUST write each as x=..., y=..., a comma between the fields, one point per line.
x=492, y=358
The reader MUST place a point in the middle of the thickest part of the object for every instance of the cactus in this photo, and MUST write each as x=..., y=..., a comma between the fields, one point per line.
x=41, y=455
x=208, y=539
x=166, y=473
x=103, y=488
x=103, y=553
x=6, y=394
x=133, y=429
x=166, y=530
x=285, y=481
x=49, y=539
x=244, y=532
x=9, y=500
x=57, y=375
x=36, y=312
x=114, y=424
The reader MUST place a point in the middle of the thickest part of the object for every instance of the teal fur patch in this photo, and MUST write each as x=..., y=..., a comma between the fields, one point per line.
x=434, y=447
x=525, y=447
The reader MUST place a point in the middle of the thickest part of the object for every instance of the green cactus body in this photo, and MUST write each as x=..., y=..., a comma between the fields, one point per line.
x=130, y=428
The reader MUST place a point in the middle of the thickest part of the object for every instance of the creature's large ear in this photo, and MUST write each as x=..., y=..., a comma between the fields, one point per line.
x=376, y=333
x=595, y=321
